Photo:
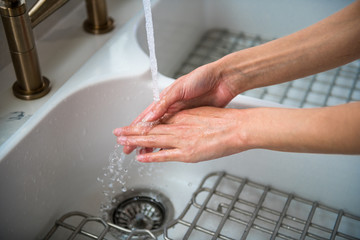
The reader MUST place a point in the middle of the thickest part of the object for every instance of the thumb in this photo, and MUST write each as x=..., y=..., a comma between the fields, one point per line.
x=167, y=99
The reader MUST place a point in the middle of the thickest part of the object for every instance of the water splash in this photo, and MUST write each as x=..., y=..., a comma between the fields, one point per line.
x=117, y=174
x=114, y=177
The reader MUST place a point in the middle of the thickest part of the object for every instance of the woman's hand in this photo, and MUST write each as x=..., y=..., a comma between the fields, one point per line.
x=206, y=133
x=192, y=135
x=202, y=87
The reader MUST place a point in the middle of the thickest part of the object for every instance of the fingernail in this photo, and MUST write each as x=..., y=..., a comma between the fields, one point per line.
x=117, y=131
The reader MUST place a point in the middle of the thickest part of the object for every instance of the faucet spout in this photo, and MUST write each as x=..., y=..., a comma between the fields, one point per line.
x=30, y=84
x=44, y=8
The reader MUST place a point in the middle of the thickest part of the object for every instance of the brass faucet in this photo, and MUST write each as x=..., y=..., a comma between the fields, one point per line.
x=18, y=25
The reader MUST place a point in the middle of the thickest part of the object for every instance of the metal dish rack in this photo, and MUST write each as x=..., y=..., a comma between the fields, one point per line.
x=228, y=207
x=340, y=85
x=79, y=225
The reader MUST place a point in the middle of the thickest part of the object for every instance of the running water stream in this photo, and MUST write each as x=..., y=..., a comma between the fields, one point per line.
x=151, y=45
x=115, y=174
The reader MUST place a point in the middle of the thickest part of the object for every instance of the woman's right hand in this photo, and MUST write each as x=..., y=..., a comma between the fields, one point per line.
x=204, y=86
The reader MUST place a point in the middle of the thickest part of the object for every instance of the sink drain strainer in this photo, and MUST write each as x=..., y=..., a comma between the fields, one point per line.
x=142, y=210
x=140, y=213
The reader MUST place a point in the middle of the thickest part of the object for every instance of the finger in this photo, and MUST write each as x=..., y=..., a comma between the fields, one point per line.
x=160, y=141
x=169, y=96
x=157, y=109
x=162, y=129
x=135, y=129
x=160, y=156
x=128, y=130
x=203, y=100
x=140, y=129
x=141, y=150
x=144, y=150
x=144, y=113
x=128, y=149
x=192, y=103
x=118, y=131
x=140, y=118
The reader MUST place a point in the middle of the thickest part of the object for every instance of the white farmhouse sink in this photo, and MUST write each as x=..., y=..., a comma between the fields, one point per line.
x=50, y=166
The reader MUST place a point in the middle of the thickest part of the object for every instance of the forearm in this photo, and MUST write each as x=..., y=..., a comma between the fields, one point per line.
x=319, y=130
x=329, y=43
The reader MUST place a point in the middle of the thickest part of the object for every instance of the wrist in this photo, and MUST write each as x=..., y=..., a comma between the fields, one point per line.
x=233, y=70
x=245, y=135
x=259, y=128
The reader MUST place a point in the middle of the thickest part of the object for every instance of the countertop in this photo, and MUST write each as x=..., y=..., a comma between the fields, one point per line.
x=62, y=51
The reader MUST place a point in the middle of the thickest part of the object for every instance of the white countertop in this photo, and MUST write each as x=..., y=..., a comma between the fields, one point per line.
x=62, y=52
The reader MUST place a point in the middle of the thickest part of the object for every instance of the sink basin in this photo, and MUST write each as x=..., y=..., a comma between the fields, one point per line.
x=55, y=166
x=50, y=166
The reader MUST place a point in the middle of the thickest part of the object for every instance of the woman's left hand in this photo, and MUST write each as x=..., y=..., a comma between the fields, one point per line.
x=192, y=135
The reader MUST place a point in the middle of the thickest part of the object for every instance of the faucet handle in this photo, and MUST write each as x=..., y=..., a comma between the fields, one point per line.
x=98, y=21
x=44, y=8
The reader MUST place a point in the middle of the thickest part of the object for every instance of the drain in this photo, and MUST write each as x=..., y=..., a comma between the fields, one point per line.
x=139, y=213
x=142, y=210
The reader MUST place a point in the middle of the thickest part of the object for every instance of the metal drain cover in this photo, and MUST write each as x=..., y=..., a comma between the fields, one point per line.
x=139, y=213
x=142, y=209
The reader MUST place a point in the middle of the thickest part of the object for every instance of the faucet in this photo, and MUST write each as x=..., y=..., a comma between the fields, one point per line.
x=19, y=23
